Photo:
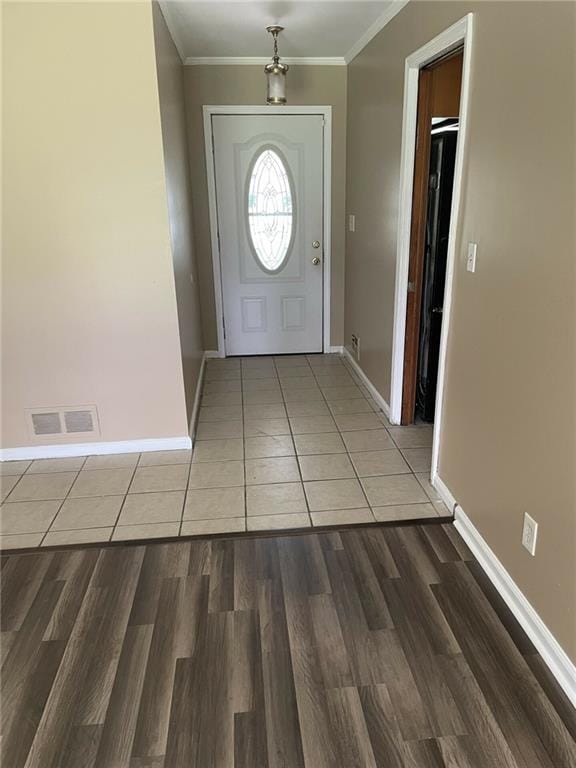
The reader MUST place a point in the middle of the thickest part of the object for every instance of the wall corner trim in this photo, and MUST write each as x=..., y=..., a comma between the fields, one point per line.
x=367, y=383
x=68, y=450
x=554, y=656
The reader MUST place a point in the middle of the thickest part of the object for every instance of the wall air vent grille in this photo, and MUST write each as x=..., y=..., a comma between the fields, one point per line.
x=73, y=421
x=78, y=421
x=46, y=423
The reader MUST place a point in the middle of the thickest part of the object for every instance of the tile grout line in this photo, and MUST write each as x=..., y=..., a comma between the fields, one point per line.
x=45, y=533
x=316, y=372
x=187, y=484
x=308, y=512
x=399, y=449
x=24, y=474
x=62, y=504
x=348, y=453
x=187, y=489
x=125, y=496
x=242, y=438
x=357, y=379
x=358, y=480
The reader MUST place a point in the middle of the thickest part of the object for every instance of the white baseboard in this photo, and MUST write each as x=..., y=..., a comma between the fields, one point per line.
x=213, y=353
x=544, y=641
x=367, y=383
x=121, y=446
x=197, y=397
x=95, y=449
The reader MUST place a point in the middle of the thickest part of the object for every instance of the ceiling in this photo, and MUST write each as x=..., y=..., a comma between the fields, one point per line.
x=317, y=31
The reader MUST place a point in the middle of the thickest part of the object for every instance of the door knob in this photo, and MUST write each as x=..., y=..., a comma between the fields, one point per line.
x=316, y=244
x=315, y=260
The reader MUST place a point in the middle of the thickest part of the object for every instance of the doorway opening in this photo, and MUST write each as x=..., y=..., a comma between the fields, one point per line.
x=439, y=88
x=440, y=186
x=453, y=43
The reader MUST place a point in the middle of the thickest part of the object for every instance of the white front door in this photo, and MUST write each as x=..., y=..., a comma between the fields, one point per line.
x=268, y=171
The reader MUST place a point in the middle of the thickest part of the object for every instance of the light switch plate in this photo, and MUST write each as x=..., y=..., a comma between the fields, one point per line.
x=352, y=223
x=529, y=534
x=471, y=261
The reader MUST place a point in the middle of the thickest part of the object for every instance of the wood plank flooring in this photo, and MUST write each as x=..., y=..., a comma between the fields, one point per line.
x=361, y=648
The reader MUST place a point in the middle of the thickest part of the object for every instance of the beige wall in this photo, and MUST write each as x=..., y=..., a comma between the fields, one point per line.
x=175, y=142
x=508, y=433
x=88, y=300
x=246, y=85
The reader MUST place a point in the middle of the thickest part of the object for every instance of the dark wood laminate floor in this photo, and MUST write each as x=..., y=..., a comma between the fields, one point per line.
x=366, y=647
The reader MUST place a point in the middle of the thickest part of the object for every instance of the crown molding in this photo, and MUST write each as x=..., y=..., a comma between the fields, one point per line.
x=317, y=61
x=392, y=10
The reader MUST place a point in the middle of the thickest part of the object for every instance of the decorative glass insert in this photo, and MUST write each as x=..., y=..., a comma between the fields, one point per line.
x=270, y=210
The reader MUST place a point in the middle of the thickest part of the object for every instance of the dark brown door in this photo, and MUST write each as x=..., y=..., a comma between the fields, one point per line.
x=438, y=96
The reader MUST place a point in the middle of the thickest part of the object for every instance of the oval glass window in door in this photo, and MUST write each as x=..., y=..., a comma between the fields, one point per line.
x=270, y=210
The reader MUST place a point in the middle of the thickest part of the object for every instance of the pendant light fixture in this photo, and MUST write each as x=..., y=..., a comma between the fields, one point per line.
x=275, y=72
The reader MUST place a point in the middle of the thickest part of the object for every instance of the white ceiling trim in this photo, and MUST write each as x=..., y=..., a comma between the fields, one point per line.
x=386, y=17
x=391, y=11
x=318, y=61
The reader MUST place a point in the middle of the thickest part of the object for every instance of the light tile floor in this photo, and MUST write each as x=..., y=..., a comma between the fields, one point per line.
x=281, y=442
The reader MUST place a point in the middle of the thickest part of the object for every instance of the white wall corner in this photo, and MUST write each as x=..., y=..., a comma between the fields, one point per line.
x=553, y=655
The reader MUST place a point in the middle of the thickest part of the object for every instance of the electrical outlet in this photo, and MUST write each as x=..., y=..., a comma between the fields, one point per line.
x=471, y=260
x=529, y=534
x=352, y=223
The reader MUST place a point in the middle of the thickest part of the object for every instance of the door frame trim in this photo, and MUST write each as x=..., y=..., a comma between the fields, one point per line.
x=326, y=112
x=460, y=33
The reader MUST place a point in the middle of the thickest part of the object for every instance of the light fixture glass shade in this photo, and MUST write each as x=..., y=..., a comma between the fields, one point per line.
x=276, y=83
x=275, y=72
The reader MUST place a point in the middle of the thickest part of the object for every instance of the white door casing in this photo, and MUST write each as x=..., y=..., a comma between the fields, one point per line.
x=268, y=183
x=461, y=32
